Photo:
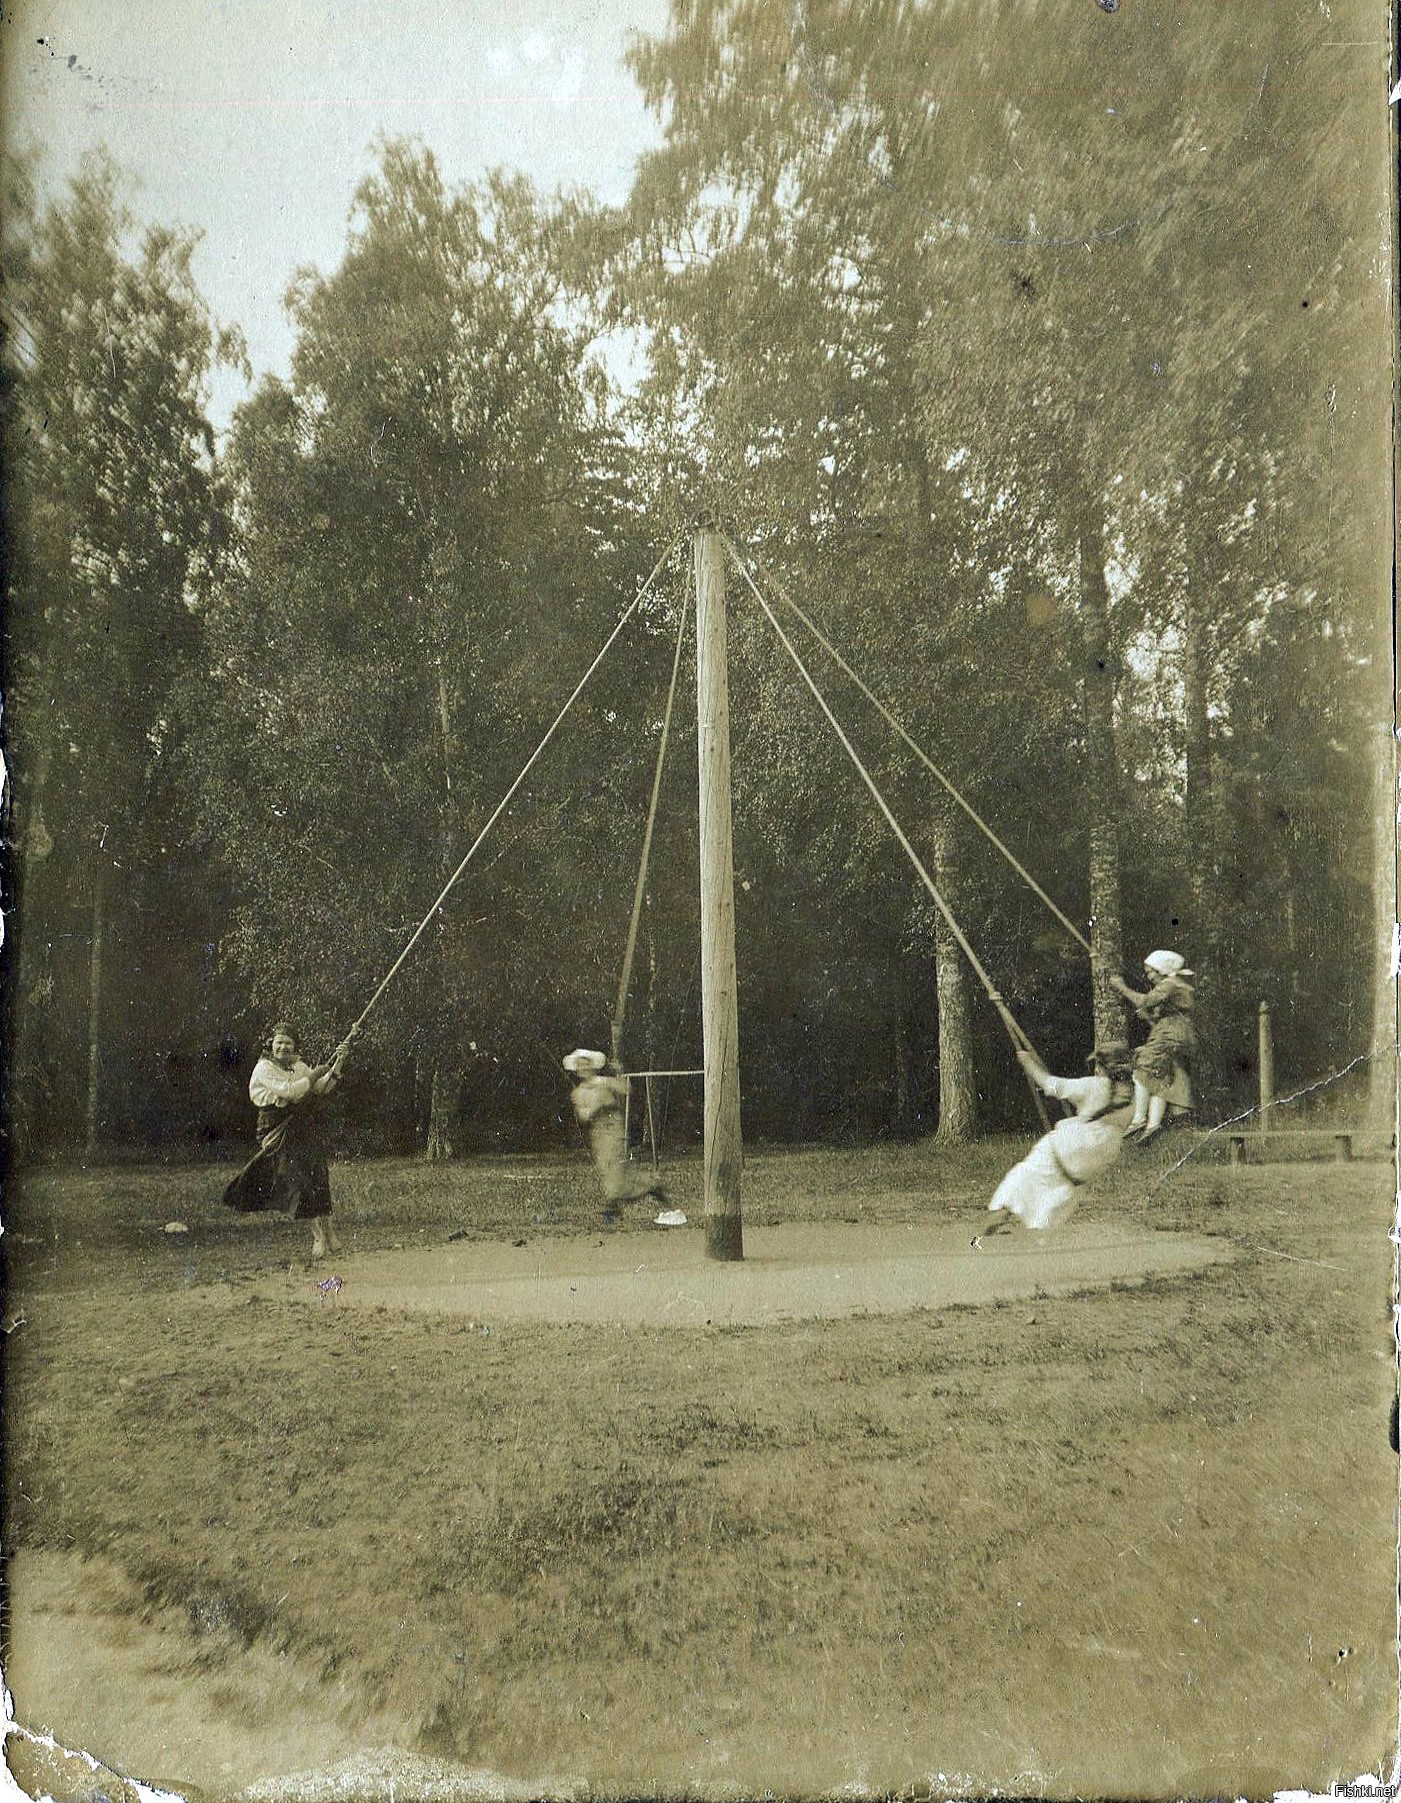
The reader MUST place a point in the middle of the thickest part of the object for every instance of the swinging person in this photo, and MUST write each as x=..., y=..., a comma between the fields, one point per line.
x=288, y=1173
x=1162, y=1069
x=1041, y=1191
x=599, y=1097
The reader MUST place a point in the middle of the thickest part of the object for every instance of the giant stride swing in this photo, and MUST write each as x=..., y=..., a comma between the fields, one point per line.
x=723, y=1142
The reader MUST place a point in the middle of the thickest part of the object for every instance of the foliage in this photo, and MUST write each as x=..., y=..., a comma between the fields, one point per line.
x=1023, y=347
x=115, y=528
x=941, y=333
x=430, y=557
x=115, y=518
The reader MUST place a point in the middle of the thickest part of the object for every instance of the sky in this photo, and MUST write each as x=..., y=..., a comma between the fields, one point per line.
x=254, y=122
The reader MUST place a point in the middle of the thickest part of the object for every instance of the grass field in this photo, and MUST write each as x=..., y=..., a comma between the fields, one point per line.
x=1134, y=1542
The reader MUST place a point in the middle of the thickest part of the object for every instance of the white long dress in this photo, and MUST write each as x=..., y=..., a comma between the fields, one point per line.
x=598, y=1105
x=1042, y=1189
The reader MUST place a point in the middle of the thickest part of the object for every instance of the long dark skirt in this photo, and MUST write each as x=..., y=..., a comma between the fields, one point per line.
x=1164, y=1061
x=288, y=1174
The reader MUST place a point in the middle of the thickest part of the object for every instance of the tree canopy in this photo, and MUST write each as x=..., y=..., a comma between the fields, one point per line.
x=115, y=526
x=1026, y=348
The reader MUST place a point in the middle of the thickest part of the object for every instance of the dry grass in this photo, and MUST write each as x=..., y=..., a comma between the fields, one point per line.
x=1112, y=1543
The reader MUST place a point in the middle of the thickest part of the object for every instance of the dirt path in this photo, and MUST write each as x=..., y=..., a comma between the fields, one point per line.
x=193, y=1714
x=795, y=1272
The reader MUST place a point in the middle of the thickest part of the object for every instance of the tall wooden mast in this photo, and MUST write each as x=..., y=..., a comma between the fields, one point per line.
x=724, y=1238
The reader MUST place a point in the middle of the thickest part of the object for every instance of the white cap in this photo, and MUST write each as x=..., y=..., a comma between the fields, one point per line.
x=579, y=1062
x=1165, y=964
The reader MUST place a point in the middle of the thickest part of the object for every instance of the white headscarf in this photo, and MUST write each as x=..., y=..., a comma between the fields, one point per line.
x=1166, y=964
x=581, y=1062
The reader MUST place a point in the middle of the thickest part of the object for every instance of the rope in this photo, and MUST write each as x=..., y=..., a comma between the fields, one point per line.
x=526, y=768
x=626, y=978
x=1014, y=1030
x=929, y=764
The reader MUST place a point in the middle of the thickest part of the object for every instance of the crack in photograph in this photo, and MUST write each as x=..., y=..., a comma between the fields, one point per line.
x=699, y=886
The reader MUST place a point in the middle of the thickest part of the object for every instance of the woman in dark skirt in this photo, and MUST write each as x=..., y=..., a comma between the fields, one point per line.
x=1162, y=1070
x=289, y=1173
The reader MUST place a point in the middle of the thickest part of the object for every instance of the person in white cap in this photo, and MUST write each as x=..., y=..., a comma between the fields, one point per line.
x=599, y=1098
x=1041, y=1191
x=1162, y=1069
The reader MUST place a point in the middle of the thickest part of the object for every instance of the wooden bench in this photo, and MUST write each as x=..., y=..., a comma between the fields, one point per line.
x=1342, y=1138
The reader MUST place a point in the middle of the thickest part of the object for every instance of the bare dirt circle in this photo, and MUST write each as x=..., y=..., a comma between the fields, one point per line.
x=799, y=1271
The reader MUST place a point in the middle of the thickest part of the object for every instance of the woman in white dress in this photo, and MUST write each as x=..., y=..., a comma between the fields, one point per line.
x=1041, y=1191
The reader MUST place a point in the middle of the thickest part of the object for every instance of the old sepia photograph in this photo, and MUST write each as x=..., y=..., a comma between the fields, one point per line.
x=699, y=900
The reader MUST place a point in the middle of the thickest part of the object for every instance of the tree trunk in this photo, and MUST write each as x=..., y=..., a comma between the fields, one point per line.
x=958, y=1094
x=1203, y=950
x=1382, y=1090
x=446, y=1089
x=445, y=723
x=1102, y=776
x=651, y=984
x=421, y=1080
x=442, y=1114
x=99, y=930
x=901, y=1073
x=31, y=950
x=35, y=847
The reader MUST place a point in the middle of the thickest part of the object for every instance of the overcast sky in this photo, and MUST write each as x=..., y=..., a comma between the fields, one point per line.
x=253, y=120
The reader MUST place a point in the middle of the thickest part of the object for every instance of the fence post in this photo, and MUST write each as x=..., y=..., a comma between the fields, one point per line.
x=1267, y=1068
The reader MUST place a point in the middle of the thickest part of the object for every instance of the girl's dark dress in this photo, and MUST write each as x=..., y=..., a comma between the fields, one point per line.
x=1163, y=1063
x=288, y=1173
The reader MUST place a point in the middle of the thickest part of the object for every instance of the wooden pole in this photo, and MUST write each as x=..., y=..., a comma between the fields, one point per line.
x=1267, y=1068
x=652, y=1125
x=724, y=1237
x=99, y=927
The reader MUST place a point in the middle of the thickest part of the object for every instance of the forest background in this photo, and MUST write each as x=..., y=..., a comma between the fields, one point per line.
x=1064, y=414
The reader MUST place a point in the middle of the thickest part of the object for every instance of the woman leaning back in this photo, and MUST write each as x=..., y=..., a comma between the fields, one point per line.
x=289, y=1174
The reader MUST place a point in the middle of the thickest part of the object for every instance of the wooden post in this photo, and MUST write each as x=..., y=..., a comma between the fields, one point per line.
x=652, y=1124
x=724, y=1238
x=99, y=927
x=1267, y=1068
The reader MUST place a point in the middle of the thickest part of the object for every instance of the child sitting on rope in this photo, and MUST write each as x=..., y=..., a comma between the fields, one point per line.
x=599, y=1098
x=1041, y=1191
x=1162, y=1069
